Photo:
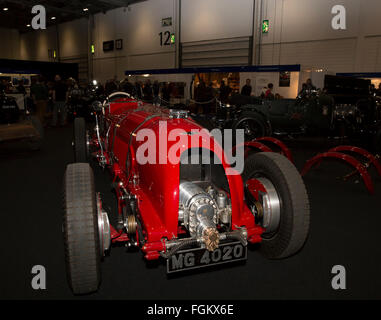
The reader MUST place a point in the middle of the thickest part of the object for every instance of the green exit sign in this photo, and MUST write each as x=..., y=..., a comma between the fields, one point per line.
x=265, y=26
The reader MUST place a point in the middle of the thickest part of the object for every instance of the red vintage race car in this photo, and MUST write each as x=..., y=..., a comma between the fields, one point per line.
x=177, y=201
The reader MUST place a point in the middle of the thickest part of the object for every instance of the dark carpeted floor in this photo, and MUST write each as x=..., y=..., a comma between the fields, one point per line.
x=345, y=230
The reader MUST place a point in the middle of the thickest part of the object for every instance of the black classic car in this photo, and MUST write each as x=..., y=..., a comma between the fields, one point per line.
x=343, y=109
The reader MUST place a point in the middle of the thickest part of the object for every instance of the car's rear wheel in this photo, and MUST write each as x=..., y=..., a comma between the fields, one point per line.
x=276, y=194
x=80, y=228
x=81, y=143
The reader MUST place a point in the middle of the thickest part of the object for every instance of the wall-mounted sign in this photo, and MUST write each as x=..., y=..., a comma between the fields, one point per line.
x=108, y=45
x=265, y=26
x=167, y=22
x=119, y=44
x=284, y=79
x=52, y=54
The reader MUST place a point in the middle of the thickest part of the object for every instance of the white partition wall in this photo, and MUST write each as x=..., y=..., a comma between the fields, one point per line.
x=213, y=32
x=215, y=19
x=10, y=44
x=216, y=32
x=301, y=32
x=139, y=26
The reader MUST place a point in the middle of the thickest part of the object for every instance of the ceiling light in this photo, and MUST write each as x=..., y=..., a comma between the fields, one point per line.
x=53, y=18
x=5, y=9
x=85, y=9
x=28, y=25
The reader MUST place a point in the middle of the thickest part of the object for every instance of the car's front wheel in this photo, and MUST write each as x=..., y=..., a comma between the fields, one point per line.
x=276, y=194
x=80, y=228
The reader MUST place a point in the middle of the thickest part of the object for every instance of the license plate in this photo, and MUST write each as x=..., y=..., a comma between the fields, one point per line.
x=198, y=258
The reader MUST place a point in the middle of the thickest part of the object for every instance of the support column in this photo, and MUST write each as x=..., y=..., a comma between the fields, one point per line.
x=90, y=28
x=257, y=31
x=178, y=56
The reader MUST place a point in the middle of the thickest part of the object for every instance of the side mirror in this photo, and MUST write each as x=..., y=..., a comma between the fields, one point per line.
x=97, y=106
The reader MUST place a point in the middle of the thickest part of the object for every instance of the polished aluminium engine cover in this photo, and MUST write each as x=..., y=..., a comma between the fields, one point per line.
x=200, y=214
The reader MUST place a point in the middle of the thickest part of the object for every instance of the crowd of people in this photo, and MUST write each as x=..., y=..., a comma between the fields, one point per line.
x=49, y=98
x=44, y=98
x=147, y=91
x=267, y=92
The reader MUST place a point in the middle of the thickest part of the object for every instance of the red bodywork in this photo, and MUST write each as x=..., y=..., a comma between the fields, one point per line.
x=360, y=168
x=156, y=186
x=259, y=145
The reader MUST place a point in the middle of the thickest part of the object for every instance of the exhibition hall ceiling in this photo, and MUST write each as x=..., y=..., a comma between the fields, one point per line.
x=17, y=14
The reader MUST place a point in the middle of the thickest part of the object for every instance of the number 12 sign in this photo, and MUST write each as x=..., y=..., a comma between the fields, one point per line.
x=167, y=38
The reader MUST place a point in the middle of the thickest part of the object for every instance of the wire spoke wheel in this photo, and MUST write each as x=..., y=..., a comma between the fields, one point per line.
x=253, y=125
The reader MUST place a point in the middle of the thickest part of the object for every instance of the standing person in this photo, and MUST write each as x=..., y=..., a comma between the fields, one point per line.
x=128, y=87
x=156, y=91
x=100, y=90
x=200, y=96
x=303, y=91
x=209, y=96
x=166, y=94
x=372, y=89
x=59, y=98
x=224, y=92
x=246, y=90
x=378, y=92
x=40, y=95
x=269, y=93
x=20, y=88
x=138, y=90
x=147, y=91
x=49, y=111
x=310, y=86
x=110, y=87
x=3, y=85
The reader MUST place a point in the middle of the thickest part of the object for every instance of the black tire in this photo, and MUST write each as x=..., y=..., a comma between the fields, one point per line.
x=36, y=143
x=80, y=140
x=258, y=125
x=294, y=204
x=80, y=228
